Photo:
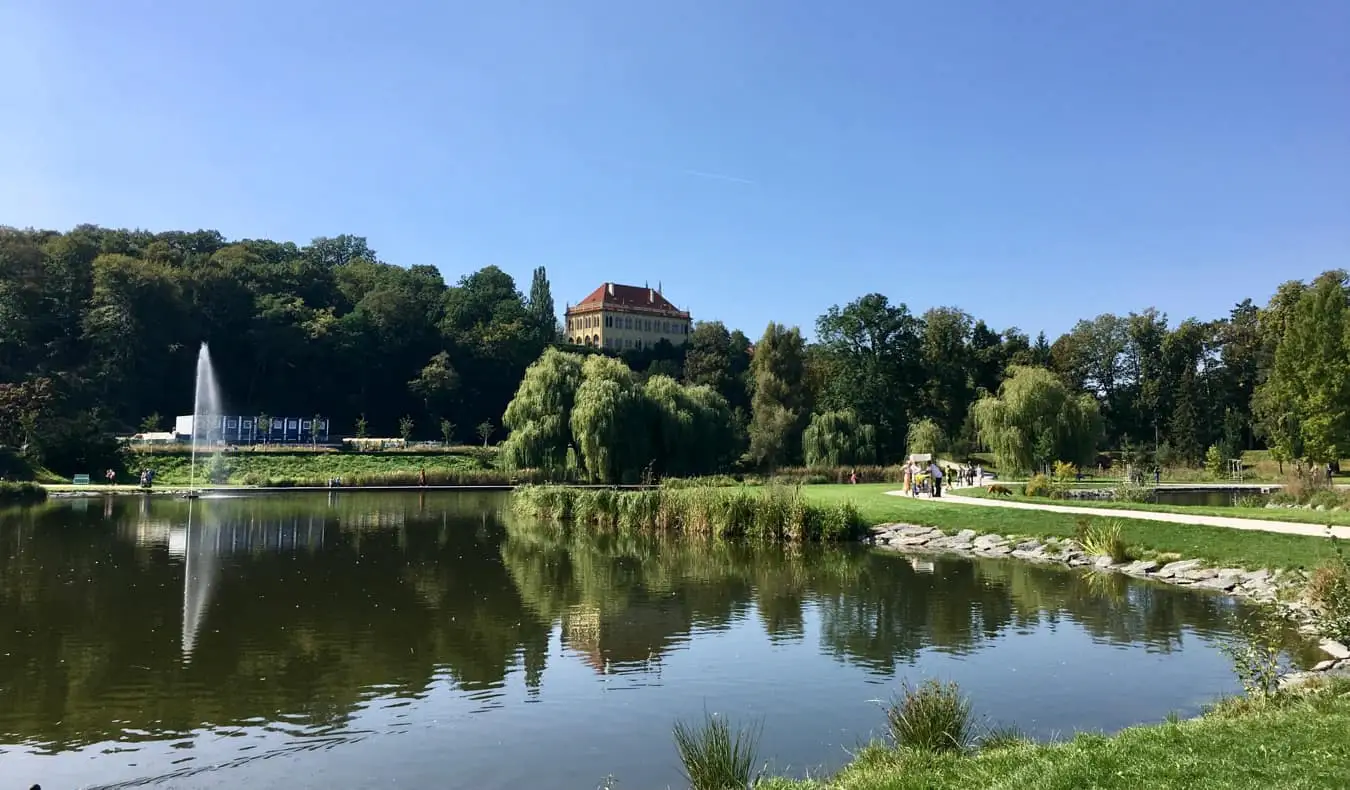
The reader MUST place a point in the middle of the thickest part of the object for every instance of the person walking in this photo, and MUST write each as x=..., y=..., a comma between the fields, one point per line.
x=909, y=479
x=422, y=477
x=935, y=474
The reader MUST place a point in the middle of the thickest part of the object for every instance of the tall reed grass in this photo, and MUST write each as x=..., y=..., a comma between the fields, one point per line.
x=715, y=757
x=933, y=717
x=410, y=477
x=771, y=513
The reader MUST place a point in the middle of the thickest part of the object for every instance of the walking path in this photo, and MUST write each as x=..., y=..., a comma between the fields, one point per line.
x=1259, y=525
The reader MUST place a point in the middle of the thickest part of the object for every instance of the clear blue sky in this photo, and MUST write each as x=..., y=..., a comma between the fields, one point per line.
x=1033, y=162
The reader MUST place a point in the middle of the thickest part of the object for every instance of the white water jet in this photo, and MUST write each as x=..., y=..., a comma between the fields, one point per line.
x=206, y=410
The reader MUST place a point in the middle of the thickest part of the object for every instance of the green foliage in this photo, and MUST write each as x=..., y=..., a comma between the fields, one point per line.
x=1035, y=418
x=447, y=431
x=926, y=436
x=1104, y=540
x=1215, y=463
x=151, y=423
x=362, y=427
x=715, y=758
x=836, y=438
x=770, y=513
x=1039, y=486
x=1328, y=592
x=405, y=427
x=1065, y=472
x=485, y=430
x=22, y=493
x=1256, y=647
x=779, y=403
x=934, y=717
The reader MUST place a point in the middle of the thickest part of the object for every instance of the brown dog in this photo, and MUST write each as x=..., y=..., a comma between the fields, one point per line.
x=1000, y=490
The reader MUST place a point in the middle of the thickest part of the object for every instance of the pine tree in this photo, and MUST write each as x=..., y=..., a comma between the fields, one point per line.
x=541, y=305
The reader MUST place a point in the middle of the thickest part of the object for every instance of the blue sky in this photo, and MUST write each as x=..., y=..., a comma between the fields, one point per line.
x=1031, y=162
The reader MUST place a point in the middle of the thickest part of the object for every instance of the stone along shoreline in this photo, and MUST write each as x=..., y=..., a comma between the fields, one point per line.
x=1278, y=588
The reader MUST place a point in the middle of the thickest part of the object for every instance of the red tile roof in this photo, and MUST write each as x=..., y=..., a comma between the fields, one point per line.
x=631, y=297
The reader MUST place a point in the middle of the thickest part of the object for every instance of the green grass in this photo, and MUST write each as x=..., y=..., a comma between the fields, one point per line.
x=1293, y=742
x=1338, y=518
x=1222, y=547
x=315, y=468
x=22, y=493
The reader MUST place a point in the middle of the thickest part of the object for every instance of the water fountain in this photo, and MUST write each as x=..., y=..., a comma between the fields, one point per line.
x=206, y=411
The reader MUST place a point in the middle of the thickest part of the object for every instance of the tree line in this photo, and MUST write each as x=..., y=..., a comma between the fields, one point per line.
x=99, y=331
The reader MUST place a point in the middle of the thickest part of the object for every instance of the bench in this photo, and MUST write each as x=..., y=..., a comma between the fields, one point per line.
x=80, y=480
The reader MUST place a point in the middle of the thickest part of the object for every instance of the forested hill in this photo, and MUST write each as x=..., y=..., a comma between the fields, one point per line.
x=102, y=328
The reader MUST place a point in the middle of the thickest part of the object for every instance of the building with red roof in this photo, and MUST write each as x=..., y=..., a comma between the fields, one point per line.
x=622, y=317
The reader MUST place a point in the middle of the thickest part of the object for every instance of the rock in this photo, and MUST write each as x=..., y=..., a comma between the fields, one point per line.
x=966, y=535
x=1216, y=583
x=1323, y=666
x=1079, y=560
x=994, y=551
x=1334, y=649
x=1102, y=561
x=989, y=541
x=910, y=541
x=1253, y=577
x=1201, y=574
x=1141, y=567
x=913, y=530
x=1028, y=545
x=1172, y=569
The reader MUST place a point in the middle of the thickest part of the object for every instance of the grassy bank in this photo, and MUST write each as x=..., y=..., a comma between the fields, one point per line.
x=1293, y=515
x=22, y=494
x=759, y=513
x=466, y=466
x=1223, y=547
x=1295, y=740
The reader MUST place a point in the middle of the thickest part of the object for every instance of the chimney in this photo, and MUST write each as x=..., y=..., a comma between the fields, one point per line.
x=610, y=287
x=651, y=296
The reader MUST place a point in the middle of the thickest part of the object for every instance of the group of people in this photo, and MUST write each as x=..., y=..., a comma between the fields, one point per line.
x=918, y=478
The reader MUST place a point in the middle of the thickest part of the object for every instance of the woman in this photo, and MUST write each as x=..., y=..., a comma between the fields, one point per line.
x=909, y=479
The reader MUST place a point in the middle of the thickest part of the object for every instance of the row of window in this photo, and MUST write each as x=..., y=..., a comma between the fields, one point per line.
x=610, y=342
x=628, y=322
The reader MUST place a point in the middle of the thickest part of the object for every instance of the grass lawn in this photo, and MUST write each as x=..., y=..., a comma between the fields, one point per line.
x=1223, y=547
x=1340, y=518
x=1299, y=743
x=173, y=469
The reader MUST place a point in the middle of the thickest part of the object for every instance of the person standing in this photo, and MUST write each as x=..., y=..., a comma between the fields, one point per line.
x=422, y=477
x=935, y=474
x=909, y=478
x=979, y=474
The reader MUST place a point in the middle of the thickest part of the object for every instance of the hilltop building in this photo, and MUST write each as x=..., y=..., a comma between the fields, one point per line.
x=622, y=317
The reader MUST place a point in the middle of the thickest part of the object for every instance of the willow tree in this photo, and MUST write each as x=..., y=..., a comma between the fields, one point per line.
x=1035, y=420
x=926, y=436
x=610, y=421
x=692, y=428
x=838, y=438
x=539, y=416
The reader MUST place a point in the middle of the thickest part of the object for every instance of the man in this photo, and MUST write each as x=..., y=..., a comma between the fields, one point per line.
x=935, y=474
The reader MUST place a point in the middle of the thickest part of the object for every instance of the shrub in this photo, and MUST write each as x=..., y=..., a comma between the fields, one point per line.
x=1005, y=737
x=1039, y=485
x=1215, y=463
x=1328, y=591
x=22, y=494
x=1255, y=647
x=1325, y=499
x=1131, y=492
x=933, y=717
x=1065, y=472
x=714, y=757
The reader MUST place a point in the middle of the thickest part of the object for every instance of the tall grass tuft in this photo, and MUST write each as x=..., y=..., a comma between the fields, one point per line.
x=771, y=513
x=1328, y=591
x=1106, y=539
x=715, y=757
x=933, y=717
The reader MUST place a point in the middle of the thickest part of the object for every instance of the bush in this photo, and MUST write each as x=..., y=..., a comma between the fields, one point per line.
x=1255, y=647
x=716, y=759
x=933, y=717
x=1039, y=485
x=1328, y=591
x=1215, y=463
x=22, y=494
x=1325, y=499
x=1065, y=472
x=1131, y=492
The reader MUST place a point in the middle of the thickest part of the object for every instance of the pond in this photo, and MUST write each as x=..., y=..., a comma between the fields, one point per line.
x=1210, y=497
x=357, y=639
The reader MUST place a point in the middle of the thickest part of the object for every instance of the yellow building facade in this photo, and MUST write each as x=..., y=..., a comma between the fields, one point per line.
x=623, y=317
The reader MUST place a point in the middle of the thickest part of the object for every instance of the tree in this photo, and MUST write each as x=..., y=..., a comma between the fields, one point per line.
x=485, y=429
x=875, y=365
x=405, y=427
x=314, y=423
x=539, y=417
x=447, y=431
x=437, y=382
x=151, y=423
x=361, y=427
x=264, y=429
x=778, y=405
x=948, y=364
x=541, y=306
x=1034, y=419
x=926, y=436
x=836, y=438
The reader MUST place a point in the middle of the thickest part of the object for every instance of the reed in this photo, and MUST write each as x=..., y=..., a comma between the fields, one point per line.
x=715, y=757
x=769, y=513
x=933, y=717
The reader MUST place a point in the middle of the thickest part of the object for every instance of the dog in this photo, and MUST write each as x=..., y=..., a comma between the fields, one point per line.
x=1000, y=490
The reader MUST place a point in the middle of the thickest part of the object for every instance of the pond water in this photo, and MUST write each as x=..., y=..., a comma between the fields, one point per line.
x=1210, y=497
x=358, y=640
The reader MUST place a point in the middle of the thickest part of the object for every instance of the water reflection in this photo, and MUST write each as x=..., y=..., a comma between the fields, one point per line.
x=278, y=623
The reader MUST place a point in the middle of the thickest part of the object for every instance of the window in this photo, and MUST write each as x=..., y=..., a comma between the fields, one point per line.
x=628, y=322
x=628, y=341
x=609, y=321
x=638, y=343
x=665, y=327
x=647, y=325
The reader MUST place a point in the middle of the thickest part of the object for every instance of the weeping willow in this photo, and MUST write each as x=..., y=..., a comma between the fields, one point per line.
x=539, y=416
x=926, y=436
x=837, y=438
x=1034, y=420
